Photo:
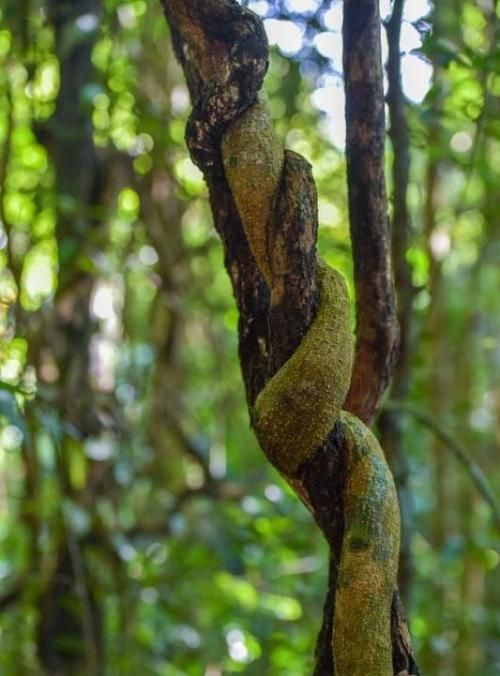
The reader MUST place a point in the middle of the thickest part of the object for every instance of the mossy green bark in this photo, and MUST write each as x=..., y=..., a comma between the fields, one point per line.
x=368, y=563
x=253, y=161
x=298, y=407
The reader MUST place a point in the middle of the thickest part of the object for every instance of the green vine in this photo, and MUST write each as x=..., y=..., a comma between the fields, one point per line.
x=301, y=404
x=296, y=343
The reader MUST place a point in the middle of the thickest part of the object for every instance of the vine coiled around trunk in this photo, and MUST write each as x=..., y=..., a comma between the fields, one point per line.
x=296, y=343
x=301, y=403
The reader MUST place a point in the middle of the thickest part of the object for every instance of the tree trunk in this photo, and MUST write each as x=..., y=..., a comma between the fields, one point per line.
x=69, y=633
x=295, y=345
x=390, y=423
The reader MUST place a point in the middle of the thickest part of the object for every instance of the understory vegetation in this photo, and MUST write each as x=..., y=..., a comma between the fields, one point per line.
x=142, y=531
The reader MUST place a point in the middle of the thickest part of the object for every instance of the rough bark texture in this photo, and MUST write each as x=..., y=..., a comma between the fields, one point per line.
x=376, y=322
x=264, y=205
x=390, y=423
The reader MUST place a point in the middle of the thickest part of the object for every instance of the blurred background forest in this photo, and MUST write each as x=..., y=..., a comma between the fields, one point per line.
x=141, y=529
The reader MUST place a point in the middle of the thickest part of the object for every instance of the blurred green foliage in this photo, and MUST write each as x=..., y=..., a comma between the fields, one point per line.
x=200, y=558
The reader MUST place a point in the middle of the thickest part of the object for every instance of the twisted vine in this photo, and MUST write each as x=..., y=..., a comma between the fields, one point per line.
x=301, y=404
x=264, y=204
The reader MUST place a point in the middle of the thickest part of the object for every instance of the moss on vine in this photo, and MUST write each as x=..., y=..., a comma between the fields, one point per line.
x=299, y=406
x=297, y=409
x=253, y=162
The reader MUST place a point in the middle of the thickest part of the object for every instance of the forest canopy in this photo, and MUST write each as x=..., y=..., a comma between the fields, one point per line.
x=142, y=530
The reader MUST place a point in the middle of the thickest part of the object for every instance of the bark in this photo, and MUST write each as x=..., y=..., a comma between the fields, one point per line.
x=264, y=207
x=390, y=422
x=376, y=321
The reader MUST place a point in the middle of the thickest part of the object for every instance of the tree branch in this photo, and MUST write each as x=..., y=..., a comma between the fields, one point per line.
x=377, y=328
x=461, y=454
x=389, y=423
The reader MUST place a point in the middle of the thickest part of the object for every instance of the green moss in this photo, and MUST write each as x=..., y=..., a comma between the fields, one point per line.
x=253, y=161
x=300, y=404
x=368, y=564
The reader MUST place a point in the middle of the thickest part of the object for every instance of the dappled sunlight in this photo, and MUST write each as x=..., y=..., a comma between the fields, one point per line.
x=135, y=502
x=287, y=35
x=290, y=38
x=417, y=77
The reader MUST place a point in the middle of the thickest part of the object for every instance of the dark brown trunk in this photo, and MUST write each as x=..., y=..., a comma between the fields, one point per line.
x=223, y=51
x=390, y=423
x=377, y=331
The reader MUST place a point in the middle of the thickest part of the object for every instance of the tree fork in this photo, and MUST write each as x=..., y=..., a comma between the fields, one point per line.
x=286, y=300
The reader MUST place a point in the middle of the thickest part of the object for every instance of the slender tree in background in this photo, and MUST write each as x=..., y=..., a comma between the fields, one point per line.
x=295, y=341
x=69, y=632
x=122, y=415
